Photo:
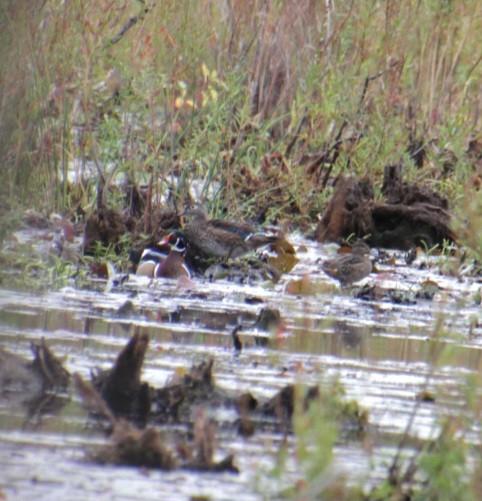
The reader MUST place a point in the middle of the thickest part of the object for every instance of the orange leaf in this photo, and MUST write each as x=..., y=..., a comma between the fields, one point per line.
x=303, y=286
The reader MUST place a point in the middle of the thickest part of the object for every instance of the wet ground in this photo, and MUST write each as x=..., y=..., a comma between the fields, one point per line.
x=378, y=348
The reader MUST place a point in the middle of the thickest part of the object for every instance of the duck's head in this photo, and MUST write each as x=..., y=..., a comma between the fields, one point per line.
x=175, y=242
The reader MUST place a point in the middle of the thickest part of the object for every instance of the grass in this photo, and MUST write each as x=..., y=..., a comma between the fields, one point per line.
x=208, y=93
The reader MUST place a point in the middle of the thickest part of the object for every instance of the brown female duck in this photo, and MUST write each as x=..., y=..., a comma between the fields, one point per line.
x=220, y=238
x=351, y=267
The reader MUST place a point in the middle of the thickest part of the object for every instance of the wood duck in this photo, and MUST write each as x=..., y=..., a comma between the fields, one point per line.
x=150, y=258
x=221, y=238
x=173, y=266
x=351, y=267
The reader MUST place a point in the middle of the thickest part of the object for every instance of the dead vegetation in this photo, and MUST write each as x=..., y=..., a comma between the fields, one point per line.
x=411, y=215
x=134, y=409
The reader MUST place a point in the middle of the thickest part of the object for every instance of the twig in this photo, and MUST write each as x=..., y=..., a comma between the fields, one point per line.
x=336, y=153
x=130, y=23
x=147, y=213
x=296, y=135
x=254, y=83
x=335, y=147
x=394, y=468
x=369, y=79
x=324, y=157
x=340, y=27
x=329, y=29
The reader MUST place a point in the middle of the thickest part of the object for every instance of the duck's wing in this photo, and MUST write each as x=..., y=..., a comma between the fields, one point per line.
x=242, y=230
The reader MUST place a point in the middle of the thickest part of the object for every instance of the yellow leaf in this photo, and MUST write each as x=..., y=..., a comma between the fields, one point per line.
x=179, y=101
x=284, y=263
x=282, y=246
x=214, y=95
x=205, y=71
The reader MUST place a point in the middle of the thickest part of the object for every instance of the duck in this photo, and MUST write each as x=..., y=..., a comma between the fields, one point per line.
x=150, y=258
x=350, y=268
x=173, y=266
x=221, y=238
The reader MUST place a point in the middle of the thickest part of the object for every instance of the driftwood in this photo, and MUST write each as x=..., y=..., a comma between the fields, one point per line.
x=121, y=387
x=348, y=212
x=412, y=215
x=44, y=373
x=405, y=226
x=104, y=225
x=131, y=446
x=175, y=402
x=36, y=385
x=119, y=396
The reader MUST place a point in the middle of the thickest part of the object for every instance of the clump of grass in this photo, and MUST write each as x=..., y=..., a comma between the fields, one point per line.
x=445, y=467
x=318, y=425
x=24, y=268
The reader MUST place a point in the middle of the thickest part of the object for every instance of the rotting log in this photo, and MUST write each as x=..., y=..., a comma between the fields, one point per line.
x=413, y=214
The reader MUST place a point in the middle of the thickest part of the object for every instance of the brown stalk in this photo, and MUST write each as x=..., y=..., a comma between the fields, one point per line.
x=147, y=213
x=130, y=23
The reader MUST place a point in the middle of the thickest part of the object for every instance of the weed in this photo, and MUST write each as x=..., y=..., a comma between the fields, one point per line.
x=206, y=95
x=318, y=424
x=467, y=222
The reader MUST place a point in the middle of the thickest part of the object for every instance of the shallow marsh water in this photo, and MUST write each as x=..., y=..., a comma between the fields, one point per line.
x=378, y=349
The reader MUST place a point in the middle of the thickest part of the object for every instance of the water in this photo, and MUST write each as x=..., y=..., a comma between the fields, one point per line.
x=378, y=349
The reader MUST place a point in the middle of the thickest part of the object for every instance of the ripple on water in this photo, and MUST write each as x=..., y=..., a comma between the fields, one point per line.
x=380, y=351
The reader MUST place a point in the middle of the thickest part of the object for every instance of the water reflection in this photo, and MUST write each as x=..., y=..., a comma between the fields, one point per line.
x=379, y=351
